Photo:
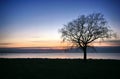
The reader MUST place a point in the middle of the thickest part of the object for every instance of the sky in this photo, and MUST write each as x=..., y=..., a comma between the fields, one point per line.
x=35, y=23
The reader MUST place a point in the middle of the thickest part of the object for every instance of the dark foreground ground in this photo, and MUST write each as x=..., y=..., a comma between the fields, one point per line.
x=59, y=69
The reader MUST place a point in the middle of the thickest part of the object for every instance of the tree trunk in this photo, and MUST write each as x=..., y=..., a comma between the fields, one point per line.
x=85, y=53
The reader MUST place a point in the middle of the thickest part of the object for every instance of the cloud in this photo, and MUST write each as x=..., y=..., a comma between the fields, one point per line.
x=36, y=41
x=44, y=41
x=113, y=42
x=6, y=43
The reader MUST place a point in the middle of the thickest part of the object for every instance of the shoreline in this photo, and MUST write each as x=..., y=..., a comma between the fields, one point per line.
x=59, y=59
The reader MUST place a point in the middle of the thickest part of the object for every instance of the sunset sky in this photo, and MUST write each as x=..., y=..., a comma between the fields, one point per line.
x=35, y=23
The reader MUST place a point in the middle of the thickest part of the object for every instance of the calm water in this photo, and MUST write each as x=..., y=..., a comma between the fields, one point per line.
x=61, y=55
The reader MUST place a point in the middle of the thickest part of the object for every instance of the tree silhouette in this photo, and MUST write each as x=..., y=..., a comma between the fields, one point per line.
x=86, y=29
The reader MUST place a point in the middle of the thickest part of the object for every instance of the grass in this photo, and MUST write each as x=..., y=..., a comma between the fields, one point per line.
x=59, y=69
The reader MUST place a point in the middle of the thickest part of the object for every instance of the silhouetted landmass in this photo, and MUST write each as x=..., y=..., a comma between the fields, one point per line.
x=59, y=69
x=111, y=49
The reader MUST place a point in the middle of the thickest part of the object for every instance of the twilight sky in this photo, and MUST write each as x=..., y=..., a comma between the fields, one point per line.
x=29, y=23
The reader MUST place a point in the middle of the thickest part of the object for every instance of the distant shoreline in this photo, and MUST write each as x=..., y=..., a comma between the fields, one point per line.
x=109, y=49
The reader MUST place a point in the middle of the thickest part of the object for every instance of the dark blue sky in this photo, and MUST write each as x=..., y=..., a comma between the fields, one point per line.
x=34, y=20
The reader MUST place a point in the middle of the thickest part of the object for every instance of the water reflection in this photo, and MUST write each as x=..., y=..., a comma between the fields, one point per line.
x=61, y=55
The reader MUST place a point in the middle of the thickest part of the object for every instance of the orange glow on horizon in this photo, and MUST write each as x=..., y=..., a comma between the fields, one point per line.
x=55, y=43
x=52, y=44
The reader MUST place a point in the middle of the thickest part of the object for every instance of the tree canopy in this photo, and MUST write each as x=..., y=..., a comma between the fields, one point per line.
x=86, y=29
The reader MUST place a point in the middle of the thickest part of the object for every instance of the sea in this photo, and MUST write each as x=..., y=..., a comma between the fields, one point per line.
x=57, y=55
x=37, y=52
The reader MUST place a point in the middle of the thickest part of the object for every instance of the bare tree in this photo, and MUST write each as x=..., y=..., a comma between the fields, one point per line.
x=86, y=29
